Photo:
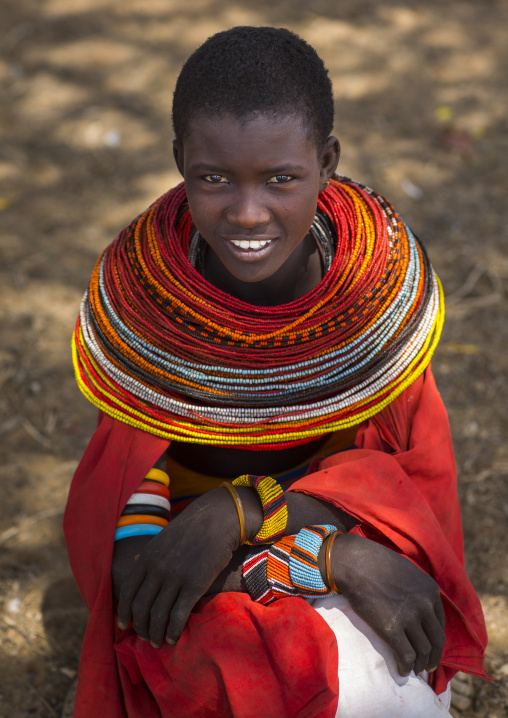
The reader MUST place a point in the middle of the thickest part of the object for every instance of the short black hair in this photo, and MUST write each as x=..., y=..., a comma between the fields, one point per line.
x=249, y=70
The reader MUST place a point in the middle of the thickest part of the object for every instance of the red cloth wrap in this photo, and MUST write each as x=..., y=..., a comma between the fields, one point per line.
x=236, y=656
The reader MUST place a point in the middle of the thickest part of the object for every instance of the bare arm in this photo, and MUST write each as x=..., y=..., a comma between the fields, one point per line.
x=158, y=580
x=303, y=511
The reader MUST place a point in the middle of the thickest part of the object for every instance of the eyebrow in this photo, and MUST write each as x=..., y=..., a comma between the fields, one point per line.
x=207, y=167
x=272, y=170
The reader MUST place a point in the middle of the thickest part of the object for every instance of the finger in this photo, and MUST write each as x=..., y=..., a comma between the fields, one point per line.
x=128, y=591
x=439, y=610
x=421, y=646
x=437, y=637
x=159, y=615
x=179, y=615
x=142, y=606
x=405, y=654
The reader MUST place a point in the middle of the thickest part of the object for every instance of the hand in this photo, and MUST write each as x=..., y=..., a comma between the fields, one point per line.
x=398, y=600
x=178, y=566
x=231, y=579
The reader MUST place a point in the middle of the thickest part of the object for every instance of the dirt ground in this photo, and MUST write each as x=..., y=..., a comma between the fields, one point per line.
x=421, y=91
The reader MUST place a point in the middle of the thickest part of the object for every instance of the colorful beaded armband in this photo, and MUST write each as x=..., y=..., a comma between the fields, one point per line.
x=254, y=575
x=277, y=568
x=303, y=561
x=275, y=511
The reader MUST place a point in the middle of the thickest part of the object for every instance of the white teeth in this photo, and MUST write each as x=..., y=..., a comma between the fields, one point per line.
x=253, y=244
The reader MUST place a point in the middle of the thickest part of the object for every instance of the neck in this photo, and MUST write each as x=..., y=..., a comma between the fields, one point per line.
x=302, y=271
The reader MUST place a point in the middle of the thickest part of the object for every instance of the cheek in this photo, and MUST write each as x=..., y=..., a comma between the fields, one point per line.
x=204, y=213
x=301, y=215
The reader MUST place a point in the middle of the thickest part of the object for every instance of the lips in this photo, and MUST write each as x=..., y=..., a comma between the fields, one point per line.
x=253, y=244
x=249, y=248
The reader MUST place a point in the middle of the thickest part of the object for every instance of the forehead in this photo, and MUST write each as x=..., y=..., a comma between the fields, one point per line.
x=266, y=138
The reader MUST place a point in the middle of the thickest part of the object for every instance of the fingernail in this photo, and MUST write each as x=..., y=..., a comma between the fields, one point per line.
x=431, y=670
x=154, y=645
x=121, y=626
x=142, y=638
x=170, y=641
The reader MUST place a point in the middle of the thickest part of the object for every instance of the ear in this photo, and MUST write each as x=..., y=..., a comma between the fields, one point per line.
x=178, y=155
x=329, y=160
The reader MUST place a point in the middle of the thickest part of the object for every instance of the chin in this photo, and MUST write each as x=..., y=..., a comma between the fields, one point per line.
x=250, y=277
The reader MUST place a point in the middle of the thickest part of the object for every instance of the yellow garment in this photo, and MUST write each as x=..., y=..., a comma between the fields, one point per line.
x=187, y=484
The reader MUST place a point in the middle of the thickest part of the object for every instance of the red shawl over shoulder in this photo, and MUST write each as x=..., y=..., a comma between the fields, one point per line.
x=235, y=657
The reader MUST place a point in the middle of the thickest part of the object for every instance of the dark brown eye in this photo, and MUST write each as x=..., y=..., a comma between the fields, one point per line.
x=280, y=179
x=215, y=179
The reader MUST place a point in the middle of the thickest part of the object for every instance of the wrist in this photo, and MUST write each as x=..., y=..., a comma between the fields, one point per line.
x=345, y=552
x=253, y=510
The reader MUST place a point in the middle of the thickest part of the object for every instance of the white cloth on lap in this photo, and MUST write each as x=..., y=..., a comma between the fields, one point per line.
x=370, y=685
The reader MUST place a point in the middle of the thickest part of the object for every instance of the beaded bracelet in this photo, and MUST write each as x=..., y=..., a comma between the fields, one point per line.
x=267, y=574
x=275, y=510
x=147, y=511
x=303, y=561
x=141, y=497
x=137, y=530
x=277, y=568
x=158, y=475
x=136, y=519
x=254, y=575
x=150, y=487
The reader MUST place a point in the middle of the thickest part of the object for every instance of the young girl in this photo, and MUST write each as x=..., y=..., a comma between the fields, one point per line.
x=272, y=323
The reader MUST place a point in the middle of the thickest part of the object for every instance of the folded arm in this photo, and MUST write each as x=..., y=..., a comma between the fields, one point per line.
x=159, y=580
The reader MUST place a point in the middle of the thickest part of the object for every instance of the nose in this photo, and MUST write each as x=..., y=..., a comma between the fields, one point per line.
x=248, y=210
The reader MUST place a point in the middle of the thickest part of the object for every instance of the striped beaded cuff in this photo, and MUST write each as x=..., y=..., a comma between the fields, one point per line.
x=254, y=574
x=303, y=564
x=277, y=568
x=275, y=511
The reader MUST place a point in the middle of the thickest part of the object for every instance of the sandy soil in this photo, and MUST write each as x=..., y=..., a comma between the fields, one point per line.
x=86, y=85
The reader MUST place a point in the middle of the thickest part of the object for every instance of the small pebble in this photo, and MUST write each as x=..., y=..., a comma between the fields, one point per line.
x=411, y=189
x=113, y=138
x=13, y=605
x=68, y=672
x=461, y=703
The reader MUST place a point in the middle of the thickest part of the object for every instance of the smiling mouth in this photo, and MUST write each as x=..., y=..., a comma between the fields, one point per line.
x=250, y=244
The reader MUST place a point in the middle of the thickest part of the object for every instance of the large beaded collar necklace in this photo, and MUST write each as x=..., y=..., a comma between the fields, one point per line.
x=160, y=348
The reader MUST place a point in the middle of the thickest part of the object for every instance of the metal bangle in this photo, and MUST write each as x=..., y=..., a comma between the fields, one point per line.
x=328, y=561
x=239, y=508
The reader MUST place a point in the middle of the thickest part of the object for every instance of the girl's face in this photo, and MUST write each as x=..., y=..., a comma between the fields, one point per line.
x=252, y=186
